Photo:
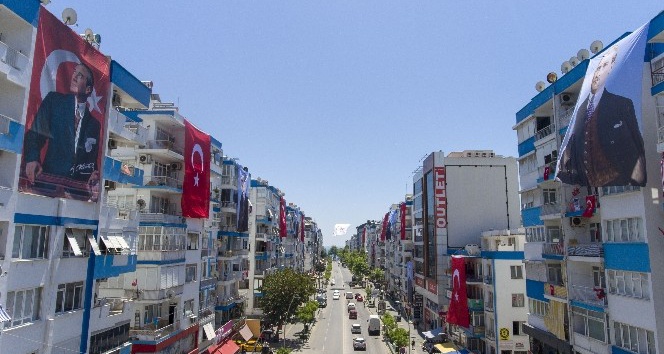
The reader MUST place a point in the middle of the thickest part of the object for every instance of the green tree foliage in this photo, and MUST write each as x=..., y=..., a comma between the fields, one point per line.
x=306, y=313
x=323, y=253
x=377, y=275
x=283, y=293
x=334, y=250
x=389, y=322
x=283, y=351
x=399, y=337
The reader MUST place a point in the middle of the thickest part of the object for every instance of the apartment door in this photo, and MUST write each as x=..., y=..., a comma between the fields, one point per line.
x=171, y=313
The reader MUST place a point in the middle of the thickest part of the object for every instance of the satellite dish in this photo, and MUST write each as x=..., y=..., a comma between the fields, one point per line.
x=69, y=16
x=565, y=67
x=540, y=86
x=596, y=46
x=574, y=61
x=88, y=32
x=551, y=77
x=583, y=54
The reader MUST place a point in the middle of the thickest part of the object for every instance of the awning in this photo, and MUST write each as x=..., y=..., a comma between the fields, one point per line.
x=547, y=338
x=94, y=245
x=229, y=347
x=72, y=242
x=433, y=333
x=246, y=333
x=4, y=316
x=209, y=331
x=449, y=348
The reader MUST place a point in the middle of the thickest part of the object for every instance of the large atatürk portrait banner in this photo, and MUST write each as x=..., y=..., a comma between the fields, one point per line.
x=64, y=136
x=603, y=145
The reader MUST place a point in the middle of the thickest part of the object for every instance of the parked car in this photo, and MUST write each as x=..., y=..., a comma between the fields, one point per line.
x=355, y=328
x=359, y=344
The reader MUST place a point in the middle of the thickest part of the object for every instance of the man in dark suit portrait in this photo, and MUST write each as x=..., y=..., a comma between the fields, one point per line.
x=70, y=134
x=605, y=147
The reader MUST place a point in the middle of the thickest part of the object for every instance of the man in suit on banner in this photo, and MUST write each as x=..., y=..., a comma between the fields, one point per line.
x=70, y=133
x=605, y=147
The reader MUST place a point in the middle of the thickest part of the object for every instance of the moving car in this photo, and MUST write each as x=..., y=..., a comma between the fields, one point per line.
x=359, y=344
x=335, y=297
x=359, y=298
x=333, y=282
x=352, y=314
x=355, y=328
x=351, y=306
x=374, y=325
x=349, y=295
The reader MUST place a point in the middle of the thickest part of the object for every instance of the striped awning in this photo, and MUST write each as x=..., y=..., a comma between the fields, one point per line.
x=4, y=316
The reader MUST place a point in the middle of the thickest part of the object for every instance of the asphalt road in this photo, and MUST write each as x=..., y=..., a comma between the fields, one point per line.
x=331, y=334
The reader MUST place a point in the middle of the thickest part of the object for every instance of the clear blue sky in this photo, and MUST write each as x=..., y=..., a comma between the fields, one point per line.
x=336, y=102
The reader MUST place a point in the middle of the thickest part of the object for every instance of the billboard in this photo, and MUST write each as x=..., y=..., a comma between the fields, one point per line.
x=603, y=145
x=65, y=120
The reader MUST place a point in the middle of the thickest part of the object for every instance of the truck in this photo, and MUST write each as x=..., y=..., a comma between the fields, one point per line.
x=374, y=325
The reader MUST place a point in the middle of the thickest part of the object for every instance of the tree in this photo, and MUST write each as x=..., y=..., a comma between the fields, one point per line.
x=399, y=337
x=334, y=250
x=323, y=253
x=377, y=275
x=283, y=293
x=306, y=313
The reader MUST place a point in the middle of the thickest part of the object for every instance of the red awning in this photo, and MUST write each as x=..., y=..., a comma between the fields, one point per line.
x=228, y=347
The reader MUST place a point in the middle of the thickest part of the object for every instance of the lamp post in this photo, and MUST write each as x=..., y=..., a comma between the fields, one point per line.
x=286, y=320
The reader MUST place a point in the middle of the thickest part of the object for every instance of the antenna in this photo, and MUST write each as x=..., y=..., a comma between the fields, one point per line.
x=565, y=67
x=596, y=46
x=574, y=61
x=540, y=86
x=69, y=16
x=583, y=54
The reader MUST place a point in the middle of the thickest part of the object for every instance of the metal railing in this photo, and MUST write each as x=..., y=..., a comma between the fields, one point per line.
x=163, y=181
x=549, y=209
x=544, y=132
x=585, y=250
x=225, y=204
x=5, y=121
x=566, y=116
x=557, y=248
x=594, y=296
x=154, y=331
x=12, y=56
x=165, y=144
x=541, y=170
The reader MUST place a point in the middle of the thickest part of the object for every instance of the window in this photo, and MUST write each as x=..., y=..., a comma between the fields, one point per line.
x=30, y=241
x=554, y=273
x=538, y=308
x=535, y=234
x=619, y=189
x=589, y=323
x=632, y=284
x=477, y=318
x=517, y=328
x=192, y=241
x=23, y=306
x=549, y=196
x=634, y=339
x=190, y=273
x=69, y=297
x=152, y=312
x=595, y=230
x=517, y=300
x=109, y=339
x=624, y=230
x=516, y=272
x=76, y=242
x=553, y=234
x=188, y=307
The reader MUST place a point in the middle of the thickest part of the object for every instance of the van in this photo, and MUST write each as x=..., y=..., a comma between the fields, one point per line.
x=374, y=325
x=349, y=295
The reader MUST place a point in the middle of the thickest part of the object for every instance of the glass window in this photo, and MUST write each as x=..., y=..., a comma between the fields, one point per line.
x=30, y=242
x=23, y=306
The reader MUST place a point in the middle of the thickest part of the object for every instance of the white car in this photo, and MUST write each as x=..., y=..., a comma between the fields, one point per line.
x=351, y=306
x=333, y=282
x=356, y=328
x=335, y=297
x=336, y=292
x=359, y=344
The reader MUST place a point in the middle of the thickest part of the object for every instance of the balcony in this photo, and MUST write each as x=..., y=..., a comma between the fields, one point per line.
x=229, y=180
x=127, y=129
x=161, y=256
x=590, y=295
x=488, y=279
x=566, y=116
x=159, y=182
x=13, y=57
x=106, y=307
x=476, y=330
x=156, y=330
x=556, y=249
x=550, y=210
x=544, y=132
x=558, y=291
x=169, y=145
x=225, y=204
x=546, y=172
x=585, y=249
x=476, y=304
x=160, y=294
x=488, y=306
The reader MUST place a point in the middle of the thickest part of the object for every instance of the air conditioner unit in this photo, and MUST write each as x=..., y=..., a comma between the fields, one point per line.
x=566, y=99
x=109, y=185
x=112, y=144
x=145, y=158
x=577, y=222
x=176, y=166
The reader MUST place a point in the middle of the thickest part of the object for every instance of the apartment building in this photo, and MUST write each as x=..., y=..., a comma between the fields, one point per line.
x=449, y=194
x=592, y=253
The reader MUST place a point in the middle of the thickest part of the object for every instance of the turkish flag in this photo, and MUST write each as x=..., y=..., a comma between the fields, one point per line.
x=196, y=186
x=283, y=232
x=383, y=232
x=302, y=227
x=403, y=220
x=458, y=312
x=590, y=206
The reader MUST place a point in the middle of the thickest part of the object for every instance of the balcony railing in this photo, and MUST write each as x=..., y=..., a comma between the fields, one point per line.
x=165, y=144
x=555, y=290
x=161, y=255
x=228, y=204
x=544, y=132
x=170, y=216
x=550, y=209
x=557, y=249
x=12, y=57
x=547, y=175
x=154, y=331
x=586, y=250
x=488, y=279
x=4, y=124
x=657, y=68
x=593, y=296
x=163, y=181
x=566, y=116
x=476, y=304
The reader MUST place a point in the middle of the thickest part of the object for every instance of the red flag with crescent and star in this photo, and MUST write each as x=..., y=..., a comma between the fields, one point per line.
x=283, y=232
x=458, y=312
x=196, y=185
x=402, y=213
x=590, y=206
